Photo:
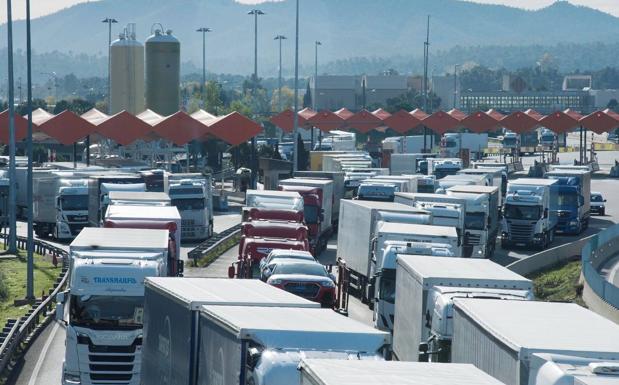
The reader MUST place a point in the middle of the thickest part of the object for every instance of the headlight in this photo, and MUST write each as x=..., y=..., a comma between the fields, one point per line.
x=328, y=283
x=72, y=378
x=573, y=223
x=275, y=281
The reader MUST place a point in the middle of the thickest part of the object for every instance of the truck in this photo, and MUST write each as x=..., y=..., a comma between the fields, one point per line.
x=171, y=316
x=60, y=206
x=426, y=289
x=500, y=337
x=147, y=217
x=401, y=164
x=396, y=238
x=339, y=189
x=407, y=144
x=264, y=345
x=511, y=141
x=559, y=369
x=99, y=186
x=255, y=249
x=410, y=181
x=452, y=144
x=426, y=184
x=318, y=198
x=376, y=191
x=317, y=371
x=481, y=221
x=21, y=185
x=192, y=194
x=574, y=200
x=460, y=180
x=139, y=198
x=446, y=210
x=155, y=180
x=495, y=176
x=529, y=213
x=548, y=139
x=105, y=303
x=357, y=230
x=279, y=205
x=273, y=229
x=441, y=167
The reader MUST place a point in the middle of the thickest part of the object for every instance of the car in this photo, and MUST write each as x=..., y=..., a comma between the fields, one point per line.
x=598, y=205
x=278, y=254
x=307, y=279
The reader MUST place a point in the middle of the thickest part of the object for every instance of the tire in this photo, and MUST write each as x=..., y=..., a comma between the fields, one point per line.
x=603, y=212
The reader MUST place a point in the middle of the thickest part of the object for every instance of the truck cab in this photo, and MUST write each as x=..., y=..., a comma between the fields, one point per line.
x=255, y=249
x=384, y=306
x=105, y=303
x=574, y=199
x=273, y=229
x=375, y=191
x=312, y=209
x=426, y=184
x=441, y=167
x=511, y=141
x=193, y=199
x=548, y=139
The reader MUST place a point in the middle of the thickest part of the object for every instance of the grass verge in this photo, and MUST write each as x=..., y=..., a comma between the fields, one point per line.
x=13, y=273
x=560, y=283
x=212, y=255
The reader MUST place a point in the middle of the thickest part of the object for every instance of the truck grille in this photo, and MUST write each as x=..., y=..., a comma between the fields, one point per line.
x=520, y=232
x=77, y=218
x=473, y=240
x=188, y=222
x=111, y=364
x=76, y=228
x=303, y=289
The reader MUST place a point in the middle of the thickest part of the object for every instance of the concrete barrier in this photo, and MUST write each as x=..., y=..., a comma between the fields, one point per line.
x=549, y=258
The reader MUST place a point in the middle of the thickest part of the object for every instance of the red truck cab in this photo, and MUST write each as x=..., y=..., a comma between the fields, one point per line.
x=176, y=265
x=312, y=209
x=255, y=213
x=255, y=249
x=273, y=229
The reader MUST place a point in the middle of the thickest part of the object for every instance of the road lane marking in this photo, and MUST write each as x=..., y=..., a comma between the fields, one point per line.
x=41, y=359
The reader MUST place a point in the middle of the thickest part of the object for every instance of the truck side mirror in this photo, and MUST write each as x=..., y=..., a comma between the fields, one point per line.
x=423, y=352
x=581, y=200
x=231, y=272
x=60, y=300
x=545, y=213
x=180, y=267
x=58, y=203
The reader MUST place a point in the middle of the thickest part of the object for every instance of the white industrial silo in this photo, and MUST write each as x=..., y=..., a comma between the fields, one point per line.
x=163, y=72
x=127, y=70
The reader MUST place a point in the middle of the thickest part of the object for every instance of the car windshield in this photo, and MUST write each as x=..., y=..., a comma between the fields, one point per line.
x=310, y=213
x=74, y=202
x=106, y=311
x=522, y=212
x=300, y=268
x=189, y=204
x=387, y=286
x=568, y=199
x=474, y=221
x=597, y=198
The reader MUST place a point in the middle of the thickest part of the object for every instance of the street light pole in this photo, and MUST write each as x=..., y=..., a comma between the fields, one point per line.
x=204, y=30
x=295, y=130
x=456, y=85
x=426, y=54
x=279, y=80
x=12, y=249
x=315, y=96
x=109, y=22
x=254, y=168
x=29, y=193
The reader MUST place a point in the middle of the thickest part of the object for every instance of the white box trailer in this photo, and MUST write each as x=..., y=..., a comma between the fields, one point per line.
x=171, y=312
x=358, y=372
x=328, y=197
x=339, y=188
x=500, y=337
x=139, y=198
x=401, y=164
x=21, y=185
x=558, y=369
x=264, y=345
x=410, y=185
x=425, y=290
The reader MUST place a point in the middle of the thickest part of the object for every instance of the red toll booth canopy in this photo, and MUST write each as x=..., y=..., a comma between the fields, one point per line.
x=21, y=127
x=326, y=121
x=441, y=122
x=402, y=122
x=67, y=127
x=561, y=121
x=480, y=122
x=600, y=122
x=124, y=128
x=364, y=121
x=234, y=129
x=520, y=122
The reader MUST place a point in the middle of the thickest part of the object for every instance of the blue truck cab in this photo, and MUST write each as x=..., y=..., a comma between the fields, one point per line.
x=574, y=202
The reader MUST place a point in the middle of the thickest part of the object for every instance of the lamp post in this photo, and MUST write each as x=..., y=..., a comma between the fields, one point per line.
x=204, y=31
x=316, y=93
x=279, y=80
x=12, y=249
x=29, y=192
x=109, y=21
x=426, y=54
x=456, y=85
x=295, y=130
x=254, y=169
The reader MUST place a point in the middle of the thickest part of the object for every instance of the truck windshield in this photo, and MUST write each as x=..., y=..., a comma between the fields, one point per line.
x=568, y=199
x=310, y=213
x=189, y=204
x=387, y=286
x=107, y=311
x=509, y=142
x=522, y=212
x=74, y=202
x=475, y=221
x=450, y=144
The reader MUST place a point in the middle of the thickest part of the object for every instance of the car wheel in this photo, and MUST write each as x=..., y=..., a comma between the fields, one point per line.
x=603, y=212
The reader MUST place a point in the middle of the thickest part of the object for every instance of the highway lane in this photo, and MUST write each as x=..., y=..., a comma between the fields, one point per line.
x=42, y=364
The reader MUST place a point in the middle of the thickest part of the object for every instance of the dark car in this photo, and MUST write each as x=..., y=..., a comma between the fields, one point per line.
x=598, y=203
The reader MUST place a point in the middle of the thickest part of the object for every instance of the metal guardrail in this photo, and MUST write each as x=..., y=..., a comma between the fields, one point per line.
x=25, y=329
x=595, y=254
x=205, y=247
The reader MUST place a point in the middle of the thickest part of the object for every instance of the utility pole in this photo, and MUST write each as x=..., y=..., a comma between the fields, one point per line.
x=315, y=96
x=12, y=249
x=295, y=130
x=109, y=21
x=204, y=31
x=29, y=193
x=456, y=85
x=279, y=79
x=254, y=168
x=426, y=54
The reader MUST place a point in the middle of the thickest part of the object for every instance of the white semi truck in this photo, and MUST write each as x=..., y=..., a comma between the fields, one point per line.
x=105, y=303
x=501, y=337
x=60, y=206
x=192, y=194
x=357, y=230
x=426, y=290
x=99, y=187
x=529, y=213
x=139, y=198
x=256, y=345
x=453, y=143
x=393, y=239
x=441, y=167
x=481, y=222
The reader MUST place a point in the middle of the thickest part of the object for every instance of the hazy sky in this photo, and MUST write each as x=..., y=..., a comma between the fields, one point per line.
x=43, y=7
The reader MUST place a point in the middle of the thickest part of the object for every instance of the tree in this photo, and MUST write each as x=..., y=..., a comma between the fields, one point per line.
x=613, y=104
x=22, y=109
x=77, y=106
x=287, y=99
x=303, y=156
x=307, y=98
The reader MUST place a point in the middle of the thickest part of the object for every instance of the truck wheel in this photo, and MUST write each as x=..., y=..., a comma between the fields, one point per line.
x=603, y=212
